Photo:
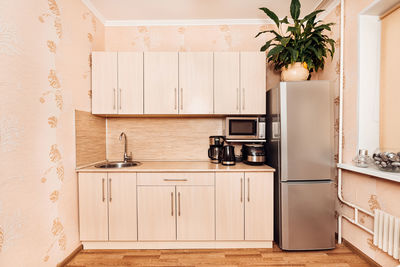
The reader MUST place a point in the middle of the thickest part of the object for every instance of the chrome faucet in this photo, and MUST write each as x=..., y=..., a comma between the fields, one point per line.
x=126, y=157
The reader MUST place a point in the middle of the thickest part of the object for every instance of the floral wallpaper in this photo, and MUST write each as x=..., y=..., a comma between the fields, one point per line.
x=365, y=191
x=45, y=49
x=190, y=39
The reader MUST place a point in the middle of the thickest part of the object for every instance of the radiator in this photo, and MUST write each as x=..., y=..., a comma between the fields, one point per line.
x=387, y=233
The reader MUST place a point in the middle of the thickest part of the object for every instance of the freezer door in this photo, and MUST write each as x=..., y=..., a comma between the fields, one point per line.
x=308, y=219
x=306, y=130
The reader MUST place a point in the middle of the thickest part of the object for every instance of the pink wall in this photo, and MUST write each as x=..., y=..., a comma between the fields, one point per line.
x=190, y=38
x=44, y=75
x=362, y=190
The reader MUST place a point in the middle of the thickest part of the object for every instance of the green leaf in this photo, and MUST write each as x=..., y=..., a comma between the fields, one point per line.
x=284, y=20
x=275, y=51
x=266, y=46
x=271, y=14
x=258, y=34
x=295, y=9
x=311, y=15
x=285, y=41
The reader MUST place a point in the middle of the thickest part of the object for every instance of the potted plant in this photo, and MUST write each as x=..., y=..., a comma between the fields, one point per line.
x=303, y=47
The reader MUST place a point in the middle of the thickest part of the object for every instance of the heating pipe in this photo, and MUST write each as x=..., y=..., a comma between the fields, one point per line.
x=340, y=160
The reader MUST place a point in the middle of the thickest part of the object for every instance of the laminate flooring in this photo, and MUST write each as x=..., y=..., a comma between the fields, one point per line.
x=341, y=256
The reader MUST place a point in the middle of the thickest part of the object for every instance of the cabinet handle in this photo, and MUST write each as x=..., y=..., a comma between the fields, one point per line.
x=237, y=98
x=248, y=189
x=175, y=180
x=175, y=106
x=120, y=104
x=114, y=99
x=110, y=190
x=172, y=203
x=102, y=184
x=244, y=98
x=181, y=98
x=241, y=189
x=179, y=203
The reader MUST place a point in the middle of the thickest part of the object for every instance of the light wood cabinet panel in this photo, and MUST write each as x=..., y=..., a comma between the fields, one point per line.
x=229, y=204
x=130, y=83
x=259, y=206
x=226, y=83
x=156, y=213
x=195, y=213
x=161, y=83
x=176, y=178
x=104, y=82
x=93, y=217
x=253, y=82
x=122, y=206
x=196, y=83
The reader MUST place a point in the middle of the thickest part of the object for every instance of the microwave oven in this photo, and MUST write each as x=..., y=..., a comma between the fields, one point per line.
x=245, y=128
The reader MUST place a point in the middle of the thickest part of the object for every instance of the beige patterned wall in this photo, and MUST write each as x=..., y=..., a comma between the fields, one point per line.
x=366, y=191
x=190, y=38
x=45, y=48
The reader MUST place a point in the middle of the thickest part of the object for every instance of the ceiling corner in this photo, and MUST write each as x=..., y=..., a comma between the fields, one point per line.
x=94, y=10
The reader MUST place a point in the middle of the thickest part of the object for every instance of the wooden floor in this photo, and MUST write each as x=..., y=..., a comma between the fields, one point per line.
x=342, y=256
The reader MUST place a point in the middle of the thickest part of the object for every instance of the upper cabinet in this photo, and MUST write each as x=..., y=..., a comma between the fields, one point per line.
x=227, y=83
x=117, y=83
x=158, y=83
x=239, y=83
x=161, y=83
x=196, y=83
x=253, y=82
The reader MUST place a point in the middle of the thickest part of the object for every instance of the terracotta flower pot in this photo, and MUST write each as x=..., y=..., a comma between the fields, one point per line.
x=294, y=72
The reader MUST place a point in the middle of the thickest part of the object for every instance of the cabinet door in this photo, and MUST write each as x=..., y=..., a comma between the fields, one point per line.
x=156, y=213
x=104, y=82
x=130, y=83
x=229, y=205
x=195, y=213
x=161, y=83
x=93, y=221
x=259, y=206
x=122, y=206
x=253, y=82
x=196, y=83
x=226, y=83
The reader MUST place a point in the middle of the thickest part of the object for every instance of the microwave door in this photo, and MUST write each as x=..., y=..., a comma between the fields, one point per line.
x=242, y=128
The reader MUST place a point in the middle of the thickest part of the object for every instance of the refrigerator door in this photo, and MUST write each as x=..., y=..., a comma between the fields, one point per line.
x=306, y=130
x=308, y=219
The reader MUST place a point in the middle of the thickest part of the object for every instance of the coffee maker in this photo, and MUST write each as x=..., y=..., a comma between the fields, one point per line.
x=215, y=150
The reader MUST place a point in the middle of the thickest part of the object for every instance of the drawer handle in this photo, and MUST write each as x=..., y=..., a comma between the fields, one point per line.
x=175, y=180
x=102, y=188
x=110, y=190
x=248, y=189
x=179, y=203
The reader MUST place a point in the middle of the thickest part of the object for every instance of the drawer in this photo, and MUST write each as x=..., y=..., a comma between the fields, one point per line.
x=176, y=178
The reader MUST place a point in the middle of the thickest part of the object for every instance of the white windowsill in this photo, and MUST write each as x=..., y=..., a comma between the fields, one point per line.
x=372, y=171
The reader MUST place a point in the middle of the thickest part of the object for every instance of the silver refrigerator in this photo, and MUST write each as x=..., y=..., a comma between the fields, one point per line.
x=300, y=147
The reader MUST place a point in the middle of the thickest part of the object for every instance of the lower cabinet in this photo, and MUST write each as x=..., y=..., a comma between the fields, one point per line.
x=156, y=213
x=107, y=206
x=244, y=206
x=195, y=213
x=167, y=213
x=203, y=206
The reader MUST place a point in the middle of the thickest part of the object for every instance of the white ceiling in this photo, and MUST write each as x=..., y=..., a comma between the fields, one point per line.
x=178, y=10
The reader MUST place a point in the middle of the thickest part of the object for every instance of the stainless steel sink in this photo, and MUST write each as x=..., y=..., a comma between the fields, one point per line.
x=117, y=164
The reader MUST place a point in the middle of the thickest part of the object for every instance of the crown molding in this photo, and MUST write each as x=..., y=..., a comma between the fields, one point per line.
x=186, y=22
x=94, y=10
x=328, y=6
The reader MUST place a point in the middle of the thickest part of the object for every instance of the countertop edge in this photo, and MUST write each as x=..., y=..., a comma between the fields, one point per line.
x=240, y=167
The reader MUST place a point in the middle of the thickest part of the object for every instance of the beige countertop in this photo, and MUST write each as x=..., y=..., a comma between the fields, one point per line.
x=181, y=166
